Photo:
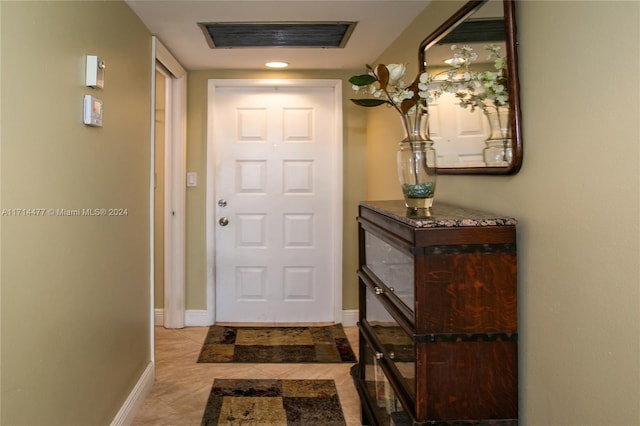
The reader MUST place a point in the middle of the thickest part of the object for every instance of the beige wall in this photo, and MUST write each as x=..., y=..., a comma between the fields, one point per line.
x=577, y=200
x=75, y=290
x=354, y=153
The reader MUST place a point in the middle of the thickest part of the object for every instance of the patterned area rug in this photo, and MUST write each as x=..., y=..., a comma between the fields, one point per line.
x=327, y=344
x=273, y=403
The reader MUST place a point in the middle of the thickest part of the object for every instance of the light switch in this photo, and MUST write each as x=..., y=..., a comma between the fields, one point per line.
x=192, y=179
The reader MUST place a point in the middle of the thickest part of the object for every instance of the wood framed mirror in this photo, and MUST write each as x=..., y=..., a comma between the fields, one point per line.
x=459, y=134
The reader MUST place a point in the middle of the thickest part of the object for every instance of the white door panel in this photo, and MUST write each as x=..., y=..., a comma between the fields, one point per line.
x=458, y=133
x=274, y=168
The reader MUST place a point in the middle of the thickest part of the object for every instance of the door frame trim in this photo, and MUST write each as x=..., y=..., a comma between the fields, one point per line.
x=175, y=191
x=337, y=182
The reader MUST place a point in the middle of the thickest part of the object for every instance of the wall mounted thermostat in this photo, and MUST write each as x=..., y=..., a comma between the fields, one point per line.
x=92, y=111
x=94, y=75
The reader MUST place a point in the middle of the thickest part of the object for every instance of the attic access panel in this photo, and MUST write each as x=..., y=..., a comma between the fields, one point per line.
x=228, y=35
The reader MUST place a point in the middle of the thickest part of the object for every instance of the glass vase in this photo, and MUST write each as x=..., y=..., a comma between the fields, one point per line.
x=498, y=151
x=416, y=161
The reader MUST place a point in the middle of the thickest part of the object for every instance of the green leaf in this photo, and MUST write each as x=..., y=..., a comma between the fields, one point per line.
x=362, y=80
x=369, y=102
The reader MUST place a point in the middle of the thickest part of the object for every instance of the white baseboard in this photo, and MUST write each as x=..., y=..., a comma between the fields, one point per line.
x=192, y=318
x=134, y=401
x=350, y=317
x=197, y=318
x=201, y=318
x=158, y=317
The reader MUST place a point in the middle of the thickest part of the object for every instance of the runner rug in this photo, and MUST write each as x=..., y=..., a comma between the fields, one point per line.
x=273, y=402
x=323, y=344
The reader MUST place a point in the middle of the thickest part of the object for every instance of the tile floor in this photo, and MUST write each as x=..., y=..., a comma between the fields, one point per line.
x=182, y=386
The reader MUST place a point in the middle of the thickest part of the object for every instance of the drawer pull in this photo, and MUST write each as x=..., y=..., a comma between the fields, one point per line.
x=392, y=355
x=379, y=355
x=378, y=290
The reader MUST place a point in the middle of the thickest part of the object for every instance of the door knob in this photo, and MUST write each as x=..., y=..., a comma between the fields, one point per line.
x=223, y=221
x=222, y=202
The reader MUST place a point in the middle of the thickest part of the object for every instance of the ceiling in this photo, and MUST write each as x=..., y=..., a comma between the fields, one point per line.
x=175, y=23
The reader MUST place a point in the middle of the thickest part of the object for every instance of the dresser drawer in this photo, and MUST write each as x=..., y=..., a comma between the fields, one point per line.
x=392, y=267
x=381, y=398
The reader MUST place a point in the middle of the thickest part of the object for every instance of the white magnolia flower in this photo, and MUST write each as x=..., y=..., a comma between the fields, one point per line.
x=396, y=72
x=384, y=85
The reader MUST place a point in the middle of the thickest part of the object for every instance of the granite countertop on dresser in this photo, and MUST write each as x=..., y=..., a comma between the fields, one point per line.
x=441, y=215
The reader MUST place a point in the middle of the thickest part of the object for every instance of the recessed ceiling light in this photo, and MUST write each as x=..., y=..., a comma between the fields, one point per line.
x=277, y=64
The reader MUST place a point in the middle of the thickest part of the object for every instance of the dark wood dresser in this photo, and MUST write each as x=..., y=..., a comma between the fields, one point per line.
x=438, y=316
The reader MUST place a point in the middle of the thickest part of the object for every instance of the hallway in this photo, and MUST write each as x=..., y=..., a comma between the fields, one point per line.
x=182, y=386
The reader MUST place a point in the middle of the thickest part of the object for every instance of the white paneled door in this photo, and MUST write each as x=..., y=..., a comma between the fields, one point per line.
x=458, y=133
x=275, y=196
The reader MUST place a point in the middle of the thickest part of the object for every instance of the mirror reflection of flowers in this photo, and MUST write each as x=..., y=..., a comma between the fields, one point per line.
x=486, y=90
x=384, y=85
